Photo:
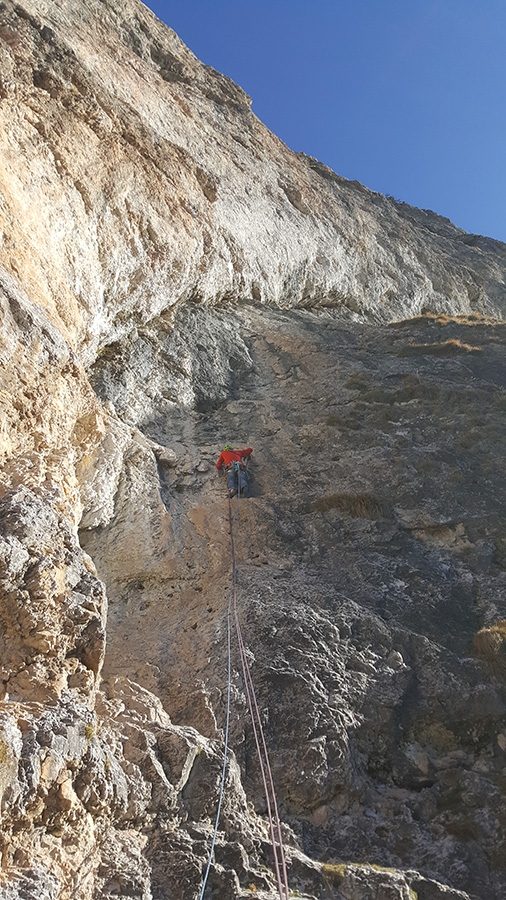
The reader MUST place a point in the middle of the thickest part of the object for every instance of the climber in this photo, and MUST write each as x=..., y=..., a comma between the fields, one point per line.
x=233, y=460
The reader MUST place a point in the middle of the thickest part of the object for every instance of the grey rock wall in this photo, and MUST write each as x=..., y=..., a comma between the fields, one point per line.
x=371, y=553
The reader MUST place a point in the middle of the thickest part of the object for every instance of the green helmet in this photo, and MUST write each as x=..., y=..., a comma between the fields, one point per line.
x=228, y=447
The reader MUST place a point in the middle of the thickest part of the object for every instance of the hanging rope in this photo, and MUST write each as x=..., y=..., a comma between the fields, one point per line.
x=258, y=732
x=225, y=749
x=267, y=779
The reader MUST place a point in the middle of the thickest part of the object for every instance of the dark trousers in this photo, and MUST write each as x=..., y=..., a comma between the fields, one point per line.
x=235, y=478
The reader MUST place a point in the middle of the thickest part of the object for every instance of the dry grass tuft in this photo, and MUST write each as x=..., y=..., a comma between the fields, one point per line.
x=334, y=871
x=89, y=731
x=4, y=751
x=446, y=348
x=360, y=506
x=489, y=644
x=444, y=319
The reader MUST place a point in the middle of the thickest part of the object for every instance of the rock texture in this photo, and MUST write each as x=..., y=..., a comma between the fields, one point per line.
x=136, y=178
x=371, y=551
x=173, y=277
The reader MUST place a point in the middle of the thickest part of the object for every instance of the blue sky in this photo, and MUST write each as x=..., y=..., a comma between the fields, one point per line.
x=407, y=96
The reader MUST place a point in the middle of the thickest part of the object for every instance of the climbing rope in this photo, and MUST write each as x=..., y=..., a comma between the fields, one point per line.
x=267, y=779
x=258, y=732
x=225, y=748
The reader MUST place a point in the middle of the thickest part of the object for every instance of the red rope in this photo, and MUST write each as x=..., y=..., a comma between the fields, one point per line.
x=277, y=820
x=260, y=742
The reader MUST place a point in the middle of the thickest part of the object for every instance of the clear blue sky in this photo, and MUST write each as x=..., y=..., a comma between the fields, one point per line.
x=407, y=96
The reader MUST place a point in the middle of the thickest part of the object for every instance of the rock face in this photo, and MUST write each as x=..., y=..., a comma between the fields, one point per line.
x=173, y=277
x=134, y=178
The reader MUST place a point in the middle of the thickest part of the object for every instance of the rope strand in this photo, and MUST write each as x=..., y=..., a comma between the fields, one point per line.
x=268, y=776
x=259, y=735
x=225, y=749
x=258, y=732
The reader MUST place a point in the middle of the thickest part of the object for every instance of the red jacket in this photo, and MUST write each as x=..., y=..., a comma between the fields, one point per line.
x=228, y=456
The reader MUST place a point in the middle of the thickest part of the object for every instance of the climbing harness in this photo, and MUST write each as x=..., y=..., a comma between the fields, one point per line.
x=258, y=732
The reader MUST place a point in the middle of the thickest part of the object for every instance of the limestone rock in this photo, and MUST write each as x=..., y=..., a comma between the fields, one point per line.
x=359, y=621
x=50, y=417
x=219, y=288
x=53, y=612
x=136, y=178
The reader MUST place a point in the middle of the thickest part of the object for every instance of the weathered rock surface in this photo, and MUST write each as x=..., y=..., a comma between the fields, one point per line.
x=134, y=178
x=371, y=551
x=174, y=278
